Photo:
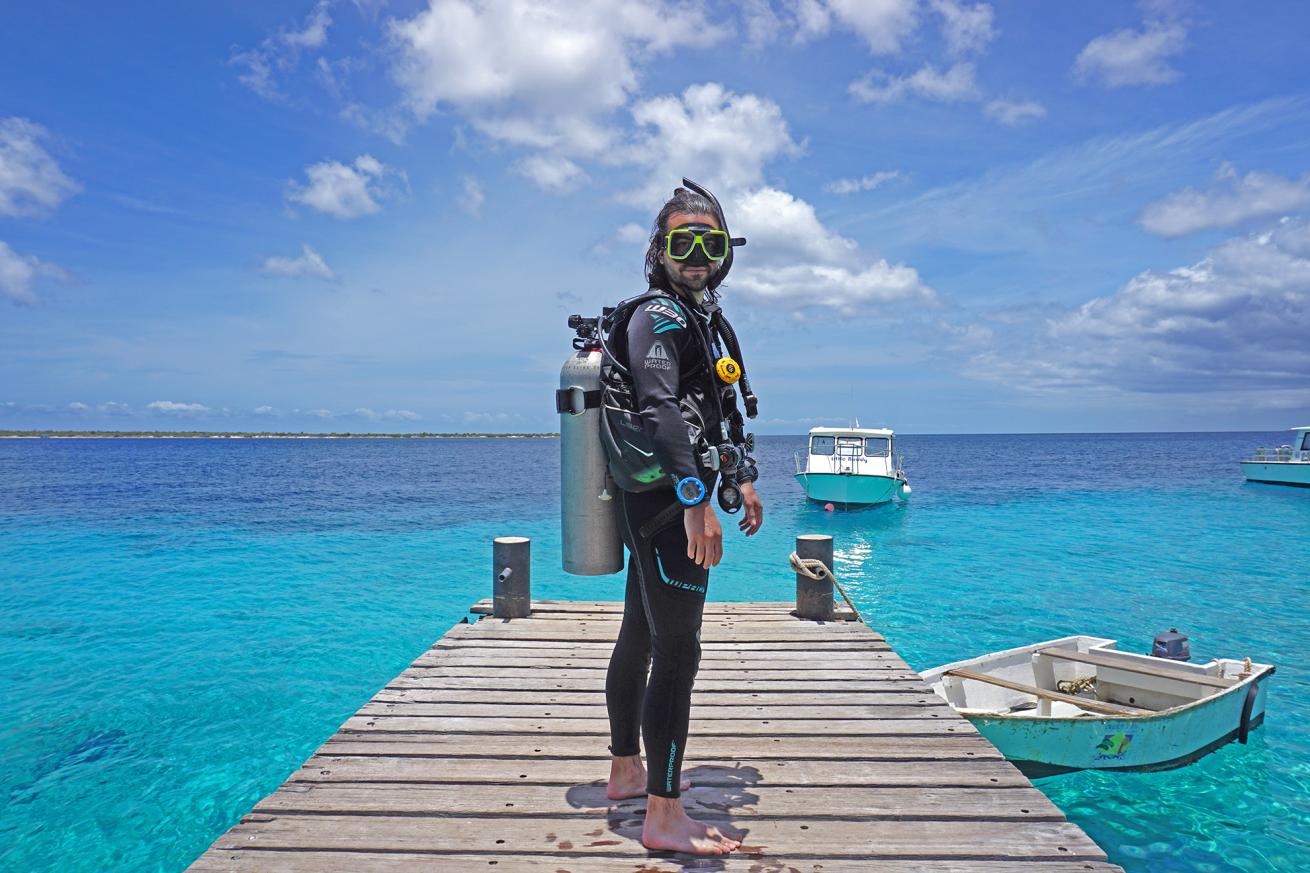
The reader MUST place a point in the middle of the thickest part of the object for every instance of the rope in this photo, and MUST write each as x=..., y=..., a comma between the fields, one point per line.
x=813, y=568
x=1076, y=686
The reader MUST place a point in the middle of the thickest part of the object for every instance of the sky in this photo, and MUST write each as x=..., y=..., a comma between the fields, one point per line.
x=962, y=217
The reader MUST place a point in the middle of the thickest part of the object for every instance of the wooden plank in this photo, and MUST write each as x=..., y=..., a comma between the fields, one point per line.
x=247, y=860
x=512, y=713
x=596, y=697
x=1084, y=702
x=890, y=745
x=745, y=800
x=764, y=838
x=899, y=682
x=732, y=607
x=784, y=645
x=810, y=659
x=708, y=673
x=1161, y=672
x=864, y=652
x=700, y=726
x=583, y=629
x=922, y=766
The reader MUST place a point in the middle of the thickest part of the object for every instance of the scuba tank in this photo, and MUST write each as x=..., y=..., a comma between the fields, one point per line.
x=590, y=541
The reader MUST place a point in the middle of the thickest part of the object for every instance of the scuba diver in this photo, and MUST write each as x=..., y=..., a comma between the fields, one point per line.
x=669, y=378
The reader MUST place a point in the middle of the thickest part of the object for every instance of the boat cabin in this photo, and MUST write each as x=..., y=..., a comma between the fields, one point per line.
x=850, y=451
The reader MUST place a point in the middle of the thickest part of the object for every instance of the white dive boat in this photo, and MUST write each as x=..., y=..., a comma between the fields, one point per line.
x=1285, y=465
x=851, y=466
x=1077, y=703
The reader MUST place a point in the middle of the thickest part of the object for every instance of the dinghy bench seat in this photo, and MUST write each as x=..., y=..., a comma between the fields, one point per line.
x=1160, y=672
x=1153, y=686
x=1102, y=706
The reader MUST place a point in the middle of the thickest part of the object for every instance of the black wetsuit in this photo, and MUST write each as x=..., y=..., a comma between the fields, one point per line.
x=665, y=594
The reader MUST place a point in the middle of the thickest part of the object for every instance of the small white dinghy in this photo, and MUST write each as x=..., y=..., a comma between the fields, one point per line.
x=1078, y=703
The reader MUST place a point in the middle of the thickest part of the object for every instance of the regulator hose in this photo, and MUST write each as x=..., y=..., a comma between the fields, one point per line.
x=729, y=337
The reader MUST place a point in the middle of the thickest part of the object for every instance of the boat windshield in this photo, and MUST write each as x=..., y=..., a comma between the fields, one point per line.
x=822, y=445
x=850, y=447
x=1305, y=442
x=877, y=447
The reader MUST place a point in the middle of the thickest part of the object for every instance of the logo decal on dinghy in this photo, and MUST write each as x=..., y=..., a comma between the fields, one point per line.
x=1113, y=746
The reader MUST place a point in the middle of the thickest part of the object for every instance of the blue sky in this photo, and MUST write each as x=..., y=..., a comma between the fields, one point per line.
x=371, y=215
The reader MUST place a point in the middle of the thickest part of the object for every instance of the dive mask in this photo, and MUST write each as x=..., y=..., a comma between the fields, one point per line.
x=681, y=242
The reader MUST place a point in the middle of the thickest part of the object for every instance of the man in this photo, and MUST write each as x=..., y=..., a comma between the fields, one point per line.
x=683, y=409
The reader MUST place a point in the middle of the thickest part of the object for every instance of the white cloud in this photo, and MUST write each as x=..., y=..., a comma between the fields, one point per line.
x=537, y=74
x=1132, y=57
x=801, y=263
x=31, y=183
x=313, y=34
x=550, y=172
x=716, y=137
x=1012, y=207
x=281, y=52
x=19, y=273
x=864, y=183
x=471, y=196
x=310, y=265
x=761, y=22
x=1232, y=200
x=955, y=85
x=401, y=415
x=967, y=29
x=1012, y=112
x=113, y=407
x=882, y=24
x=168, y=406
x=1236, y=319
x=75, y=406
x=343, y=191
x=632, y=234
x=266, y=410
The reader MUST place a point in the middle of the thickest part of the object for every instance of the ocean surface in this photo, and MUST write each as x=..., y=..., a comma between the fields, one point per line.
x=183, y=622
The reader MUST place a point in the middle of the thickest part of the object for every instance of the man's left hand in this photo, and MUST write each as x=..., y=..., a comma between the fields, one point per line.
x=754, y=507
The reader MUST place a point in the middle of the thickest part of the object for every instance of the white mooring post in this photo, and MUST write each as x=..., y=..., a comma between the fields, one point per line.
x=511, y=573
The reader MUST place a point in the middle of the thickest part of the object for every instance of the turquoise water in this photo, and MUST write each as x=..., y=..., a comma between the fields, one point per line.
x=183, y=622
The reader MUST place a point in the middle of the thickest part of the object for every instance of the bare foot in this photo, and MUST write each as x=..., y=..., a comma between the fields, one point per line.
x=628, y=779
x=668, y=827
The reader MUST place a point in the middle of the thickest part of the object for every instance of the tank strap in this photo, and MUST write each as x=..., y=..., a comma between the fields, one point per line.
x=576, y=401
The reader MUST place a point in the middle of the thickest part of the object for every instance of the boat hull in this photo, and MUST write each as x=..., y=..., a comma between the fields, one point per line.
x=848, y=490
x=1278, y=472
x=1042, y=746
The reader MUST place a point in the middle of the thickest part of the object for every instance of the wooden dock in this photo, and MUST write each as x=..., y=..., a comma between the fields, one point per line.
x=813, y=738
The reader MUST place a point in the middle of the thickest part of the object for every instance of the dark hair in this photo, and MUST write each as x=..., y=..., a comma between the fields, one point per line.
x=682, y=201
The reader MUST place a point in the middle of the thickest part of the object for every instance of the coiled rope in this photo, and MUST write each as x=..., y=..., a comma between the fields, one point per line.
x=813, y=568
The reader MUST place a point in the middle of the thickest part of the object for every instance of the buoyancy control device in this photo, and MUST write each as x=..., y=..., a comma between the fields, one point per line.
x=602, y=439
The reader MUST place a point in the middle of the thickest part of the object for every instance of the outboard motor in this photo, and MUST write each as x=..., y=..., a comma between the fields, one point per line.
x=590, y=543
x=1172, y=645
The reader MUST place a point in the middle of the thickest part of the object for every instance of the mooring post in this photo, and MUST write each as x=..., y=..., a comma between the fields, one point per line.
x=814, y=596
x=511, y=573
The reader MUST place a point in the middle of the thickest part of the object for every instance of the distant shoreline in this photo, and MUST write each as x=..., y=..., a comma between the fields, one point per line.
x=203, y=434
